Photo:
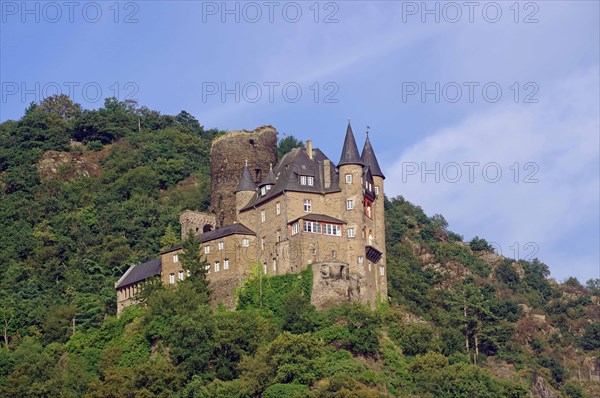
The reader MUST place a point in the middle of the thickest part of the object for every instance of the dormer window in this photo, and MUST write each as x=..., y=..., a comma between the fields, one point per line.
x=307, y=180
x=263, y=191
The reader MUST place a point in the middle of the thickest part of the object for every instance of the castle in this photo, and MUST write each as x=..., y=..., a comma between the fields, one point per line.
x=303, y=211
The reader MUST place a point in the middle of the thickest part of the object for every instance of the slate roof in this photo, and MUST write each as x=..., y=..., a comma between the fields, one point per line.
x=370, y=160
x=246, y=181
x=287, y=174
x=139, y=272
x=350, y=150
x=233, y=229
x=270, y=179
x=319, y=217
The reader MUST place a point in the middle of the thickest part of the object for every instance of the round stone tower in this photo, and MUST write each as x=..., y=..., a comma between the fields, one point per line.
x=228, y=155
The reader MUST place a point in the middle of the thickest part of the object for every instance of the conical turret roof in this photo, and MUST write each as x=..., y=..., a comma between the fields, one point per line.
x=270, y=179
x=350, y=150
x=246, y=181
x=369, y=158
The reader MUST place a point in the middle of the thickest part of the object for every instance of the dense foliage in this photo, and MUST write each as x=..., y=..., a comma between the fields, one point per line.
x=457, y=318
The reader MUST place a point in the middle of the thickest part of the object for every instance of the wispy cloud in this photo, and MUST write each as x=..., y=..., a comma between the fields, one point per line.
x=559, y=136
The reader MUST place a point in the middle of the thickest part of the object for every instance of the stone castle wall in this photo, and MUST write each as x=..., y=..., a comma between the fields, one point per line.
x=228, y=156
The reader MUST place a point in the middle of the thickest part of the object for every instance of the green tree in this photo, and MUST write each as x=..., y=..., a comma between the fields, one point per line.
x=61, y=105
x=480, y=244
x=506, y=273
x=593, y=285
x=299, y=315
x=591, y=337
x=169, y=239
x=287, y=144
x=192, y=261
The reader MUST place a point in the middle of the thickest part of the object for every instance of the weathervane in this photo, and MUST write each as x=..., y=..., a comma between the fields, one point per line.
x=368, y=128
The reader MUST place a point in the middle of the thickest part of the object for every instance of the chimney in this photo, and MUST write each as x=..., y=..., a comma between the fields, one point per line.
x=309, y=151
x=327, y=173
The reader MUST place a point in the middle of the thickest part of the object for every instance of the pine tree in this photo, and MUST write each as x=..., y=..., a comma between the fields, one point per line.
x=192, y=261
x=169, y=239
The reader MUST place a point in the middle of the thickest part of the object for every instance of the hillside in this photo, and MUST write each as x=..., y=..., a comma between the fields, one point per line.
x=84, y=194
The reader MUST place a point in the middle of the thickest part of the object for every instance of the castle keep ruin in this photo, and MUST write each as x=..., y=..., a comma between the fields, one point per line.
x=229, y=153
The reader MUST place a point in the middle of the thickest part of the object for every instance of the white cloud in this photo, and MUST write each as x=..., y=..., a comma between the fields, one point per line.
x=559, y=213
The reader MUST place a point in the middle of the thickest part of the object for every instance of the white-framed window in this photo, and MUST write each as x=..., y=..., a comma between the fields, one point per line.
x=370, y=187
x=312, y=227
x=314, y=251
x=265, y=268
x=332, y=229
x=278, y=208
x=263, y=215
x=278, y=235
x=263, y=191
x=181, y=275
x=220, y=245
x=310, y=181
x=274, y=265
x=349, y=204
x=381, y=270
x=175, y=258
x=333, y=254
x=245, y=242
x=351, y=232
x=361, y=260
x=207, y=268
x=171, y=278
x=217, y=266
x=206, y=249
x=263, y=243
x=307, y=205
x=348, y=178
x=302, y=180
x=376, y=190
x=295, y=228
x=226, y=264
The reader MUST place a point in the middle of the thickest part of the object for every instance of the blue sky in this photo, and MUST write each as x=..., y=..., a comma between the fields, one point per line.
x=454, y=94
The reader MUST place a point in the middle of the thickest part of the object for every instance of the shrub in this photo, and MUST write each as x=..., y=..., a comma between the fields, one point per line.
x=414, y=338
x=591, y=337
x=286, y=391
x=480, y=244
x=95, y=145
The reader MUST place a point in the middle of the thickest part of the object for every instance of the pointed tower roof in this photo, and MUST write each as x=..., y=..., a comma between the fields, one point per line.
x=270, y=179
x=246, y=181
x=350, y=150
x=369, y=158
